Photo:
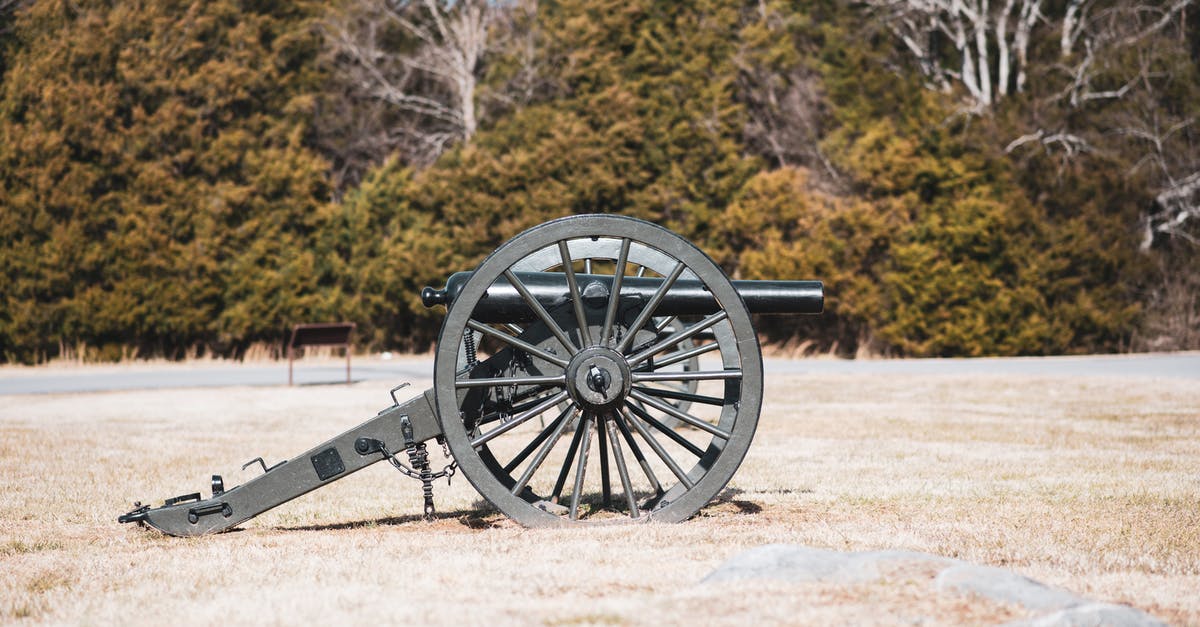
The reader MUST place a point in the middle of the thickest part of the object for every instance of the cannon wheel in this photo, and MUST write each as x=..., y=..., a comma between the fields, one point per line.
x=595, y=363
x=638, y=261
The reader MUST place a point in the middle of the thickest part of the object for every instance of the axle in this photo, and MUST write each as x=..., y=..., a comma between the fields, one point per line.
x=687, y=297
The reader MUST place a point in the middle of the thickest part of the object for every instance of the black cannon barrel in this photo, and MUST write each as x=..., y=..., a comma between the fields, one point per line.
x=503, y=303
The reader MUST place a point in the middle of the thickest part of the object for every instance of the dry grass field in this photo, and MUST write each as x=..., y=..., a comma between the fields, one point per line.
x=1092, y=484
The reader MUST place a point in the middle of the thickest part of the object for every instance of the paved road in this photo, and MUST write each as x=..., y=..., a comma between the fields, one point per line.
x=1170, y=365
x=110, y=378
x=107, y=378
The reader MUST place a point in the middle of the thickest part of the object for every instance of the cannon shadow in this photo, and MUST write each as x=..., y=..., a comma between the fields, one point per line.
x=728, y=499
x=473, y=518
x=485, y=516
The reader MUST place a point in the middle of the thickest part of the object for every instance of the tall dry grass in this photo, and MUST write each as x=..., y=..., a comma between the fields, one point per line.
x=1090, y=484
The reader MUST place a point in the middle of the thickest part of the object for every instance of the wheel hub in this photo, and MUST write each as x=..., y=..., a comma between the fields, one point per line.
x=598, y=378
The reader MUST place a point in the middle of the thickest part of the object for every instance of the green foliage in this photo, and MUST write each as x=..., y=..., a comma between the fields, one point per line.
x=385, y=253
x=645, y=125
x=160, y=191
x=155, y=185
x=780, y=226
x=933, y=247
x=956, y=283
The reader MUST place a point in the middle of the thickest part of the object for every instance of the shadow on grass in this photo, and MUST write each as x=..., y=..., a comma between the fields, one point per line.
x=474, y=518
x=483, y=516
x=728, y=502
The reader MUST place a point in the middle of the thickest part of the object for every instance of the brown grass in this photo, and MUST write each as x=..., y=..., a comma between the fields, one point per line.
x=1089, y=484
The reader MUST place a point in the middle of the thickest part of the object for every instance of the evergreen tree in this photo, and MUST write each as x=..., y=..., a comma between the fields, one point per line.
x=160, y=191
x=155, y=183
x=642, y=121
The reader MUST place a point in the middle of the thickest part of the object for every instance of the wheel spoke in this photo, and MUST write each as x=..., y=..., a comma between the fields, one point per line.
x=685, y=375
x=519, y=419
x=662, y=453
x=541, y=437
x=677, y=337
x=614, y=296
x=566, y=467
x=682, y=396
x=558, y=426
x=541, y=312
x=622, y=470
x=620, y=419
x=651, y=305
x=684, y=355
x=519, y=343
x=515, y=409
x=581, y=465
x=602, y=445
x=522, y=404
x=585, y=335
x=675, y=387
x=666, y=322
x=682, y=415
x=551, y=380
x=533, y=391
x=669, y=432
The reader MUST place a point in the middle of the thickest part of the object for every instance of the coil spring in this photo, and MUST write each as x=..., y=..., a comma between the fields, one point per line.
x=469, y=348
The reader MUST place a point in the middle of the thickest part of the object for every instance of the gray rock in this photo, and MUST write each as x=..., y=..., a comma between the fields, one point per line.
x=783, y=562
x=797, y=563
x=1095, y=615
x=1003, y=585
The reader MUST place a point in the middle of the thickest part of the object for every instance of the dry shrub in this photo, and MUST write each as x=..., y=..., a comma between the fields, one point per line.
x=1172, y=319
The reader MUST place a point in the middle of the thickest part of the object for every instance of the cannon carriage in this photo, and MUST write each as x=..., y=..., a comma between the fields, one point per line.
x=593, y=369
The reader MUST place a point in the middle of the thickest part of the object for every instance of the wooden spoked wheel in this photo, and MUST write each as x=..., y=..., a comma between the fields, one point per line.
x=596, y=404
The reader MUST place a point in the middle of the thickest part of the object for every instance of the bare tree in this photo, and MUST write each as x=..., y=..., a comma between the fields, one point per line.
x=987, y=33
x=1110, y=60
x=1104, y=32
x=521, y=46
x=982, y=35
x=1096, y=42
x=7, y=9
x=414, y=67
x=1175, y=211
x=1074, y=19
x=1174, y=207
x=785, y=107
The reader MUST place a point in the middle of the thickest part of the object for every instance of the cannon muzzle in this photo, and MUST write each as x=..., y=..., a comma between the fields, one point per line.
x=503, y=303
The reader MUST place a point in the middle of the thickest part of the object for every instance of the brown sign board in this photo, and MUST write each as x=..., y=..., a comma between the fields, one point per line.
x=335, y=334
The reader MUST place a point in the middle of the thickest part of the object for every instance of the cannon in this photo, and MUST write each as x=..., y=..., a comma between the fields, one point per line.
x=583, y=348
